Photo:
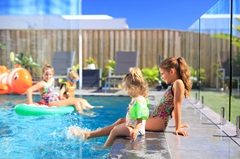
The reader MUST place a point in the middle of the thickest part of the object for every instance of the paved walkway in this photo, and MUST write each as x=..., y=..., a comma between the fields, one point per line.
x=207, y=138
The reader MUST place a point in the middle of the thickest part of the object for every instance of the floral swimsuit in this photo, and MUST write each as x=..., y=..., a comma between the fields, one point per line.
x=165, y=107
x=48, y=94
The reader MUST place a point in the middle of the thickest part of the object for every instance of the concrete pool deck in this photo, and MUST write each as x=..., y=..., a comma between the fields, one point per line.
x=208, y=138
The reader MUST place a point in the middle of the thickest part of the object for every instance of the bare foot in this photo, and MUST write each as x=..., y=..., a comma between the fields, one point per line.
x=91, y=107
x=80, y=112
x=92, y=114
x=185, y=125
x=76, y=131
x=97, y=106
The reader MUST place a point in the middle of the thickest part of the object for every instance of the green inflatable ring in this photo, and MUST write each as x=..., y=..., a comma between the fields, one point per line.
x=37, y=110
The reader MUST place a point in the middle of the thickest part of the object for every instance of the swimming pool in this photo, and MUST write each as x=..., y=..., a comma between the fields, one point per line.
x=29, y=137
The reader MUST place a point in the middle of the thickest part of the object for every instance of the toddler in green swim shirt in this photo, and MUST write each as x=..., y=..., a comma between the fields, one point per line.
x=137, y=112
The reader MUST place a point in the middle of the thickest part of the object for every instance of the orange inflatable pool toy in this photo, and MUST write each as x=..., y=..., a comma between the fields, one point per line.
x=3, y=69
x=17, y=81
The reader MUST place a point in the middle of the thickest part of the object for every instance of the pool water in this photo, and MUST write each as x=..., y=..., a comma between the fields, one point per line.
x=30, y=137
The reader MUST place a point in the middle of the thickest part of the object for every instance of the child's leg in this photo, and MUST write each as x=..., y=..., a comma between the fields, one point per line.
x=119, y=130
x=65, y=102
x=155, y=124
x=78, y=105
x=78, y=108
x=69, y=101
x=87, y=105
x=96, y=133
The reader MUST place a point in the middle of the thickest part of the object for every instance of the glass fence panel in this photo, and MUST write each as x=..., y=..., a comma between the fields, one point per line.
x=217, y=87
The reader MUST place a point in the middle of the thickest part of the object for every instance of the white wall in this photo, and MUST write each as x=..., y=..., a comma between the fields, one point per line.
x=62, y=22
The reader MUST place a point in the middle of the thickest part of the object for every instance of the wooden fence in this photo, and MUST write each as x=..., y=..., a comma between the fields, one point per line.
x=103, y=44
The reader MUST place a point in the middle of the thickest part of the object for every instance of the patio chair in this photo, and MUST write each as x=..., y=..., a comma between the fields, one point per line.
x=62, y=62
x=124, y=60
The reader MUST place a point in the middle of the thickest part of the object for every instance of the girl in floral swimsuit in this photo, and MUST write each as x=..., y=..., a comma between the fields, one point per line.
x=48, y=94
x=174, y=71
x=165, y=107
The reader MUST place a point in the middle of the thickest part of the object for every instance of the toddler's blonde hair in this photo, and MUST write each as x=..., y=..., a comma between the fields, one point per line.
x=73, y=75
x=134, y=83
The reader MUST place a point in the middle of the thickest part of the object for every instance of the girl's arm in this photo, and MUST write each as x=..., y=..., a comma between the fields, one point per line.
x=62, y=90
x=183, y=125
x=136, y=129
x=178, y=89
x=30, y=90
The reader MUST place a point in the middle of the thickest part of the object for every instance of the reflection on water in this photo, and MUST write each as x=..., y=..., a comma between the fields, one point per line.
x=8, y=101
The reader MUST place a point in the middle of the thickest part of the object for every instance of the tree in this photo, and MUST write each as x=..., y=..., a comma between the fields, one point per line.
x=236, y=60
x=235, y=39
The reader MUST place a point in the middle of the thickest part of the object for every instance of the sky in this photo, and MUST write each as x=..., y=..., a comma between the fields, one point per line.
x=139, y=14
x=151, y=14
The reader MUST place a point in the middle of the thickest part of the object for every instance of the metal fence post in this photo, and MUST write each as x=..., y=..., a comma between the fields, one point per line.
x=202, y=100
x=222, y=116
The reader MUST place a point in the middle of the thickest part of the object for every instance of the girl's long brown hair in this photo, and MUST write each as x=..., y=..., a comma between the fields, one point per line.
x=182, y=70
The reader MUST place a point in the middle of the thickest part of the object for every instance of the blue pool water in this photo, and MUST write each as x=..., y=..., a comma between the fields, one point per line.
x=31, y=137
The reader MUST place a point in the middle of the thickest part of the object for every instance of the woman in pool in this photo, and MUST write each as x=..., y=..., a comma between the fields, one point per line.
x=45, y=88
x=174, y=71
